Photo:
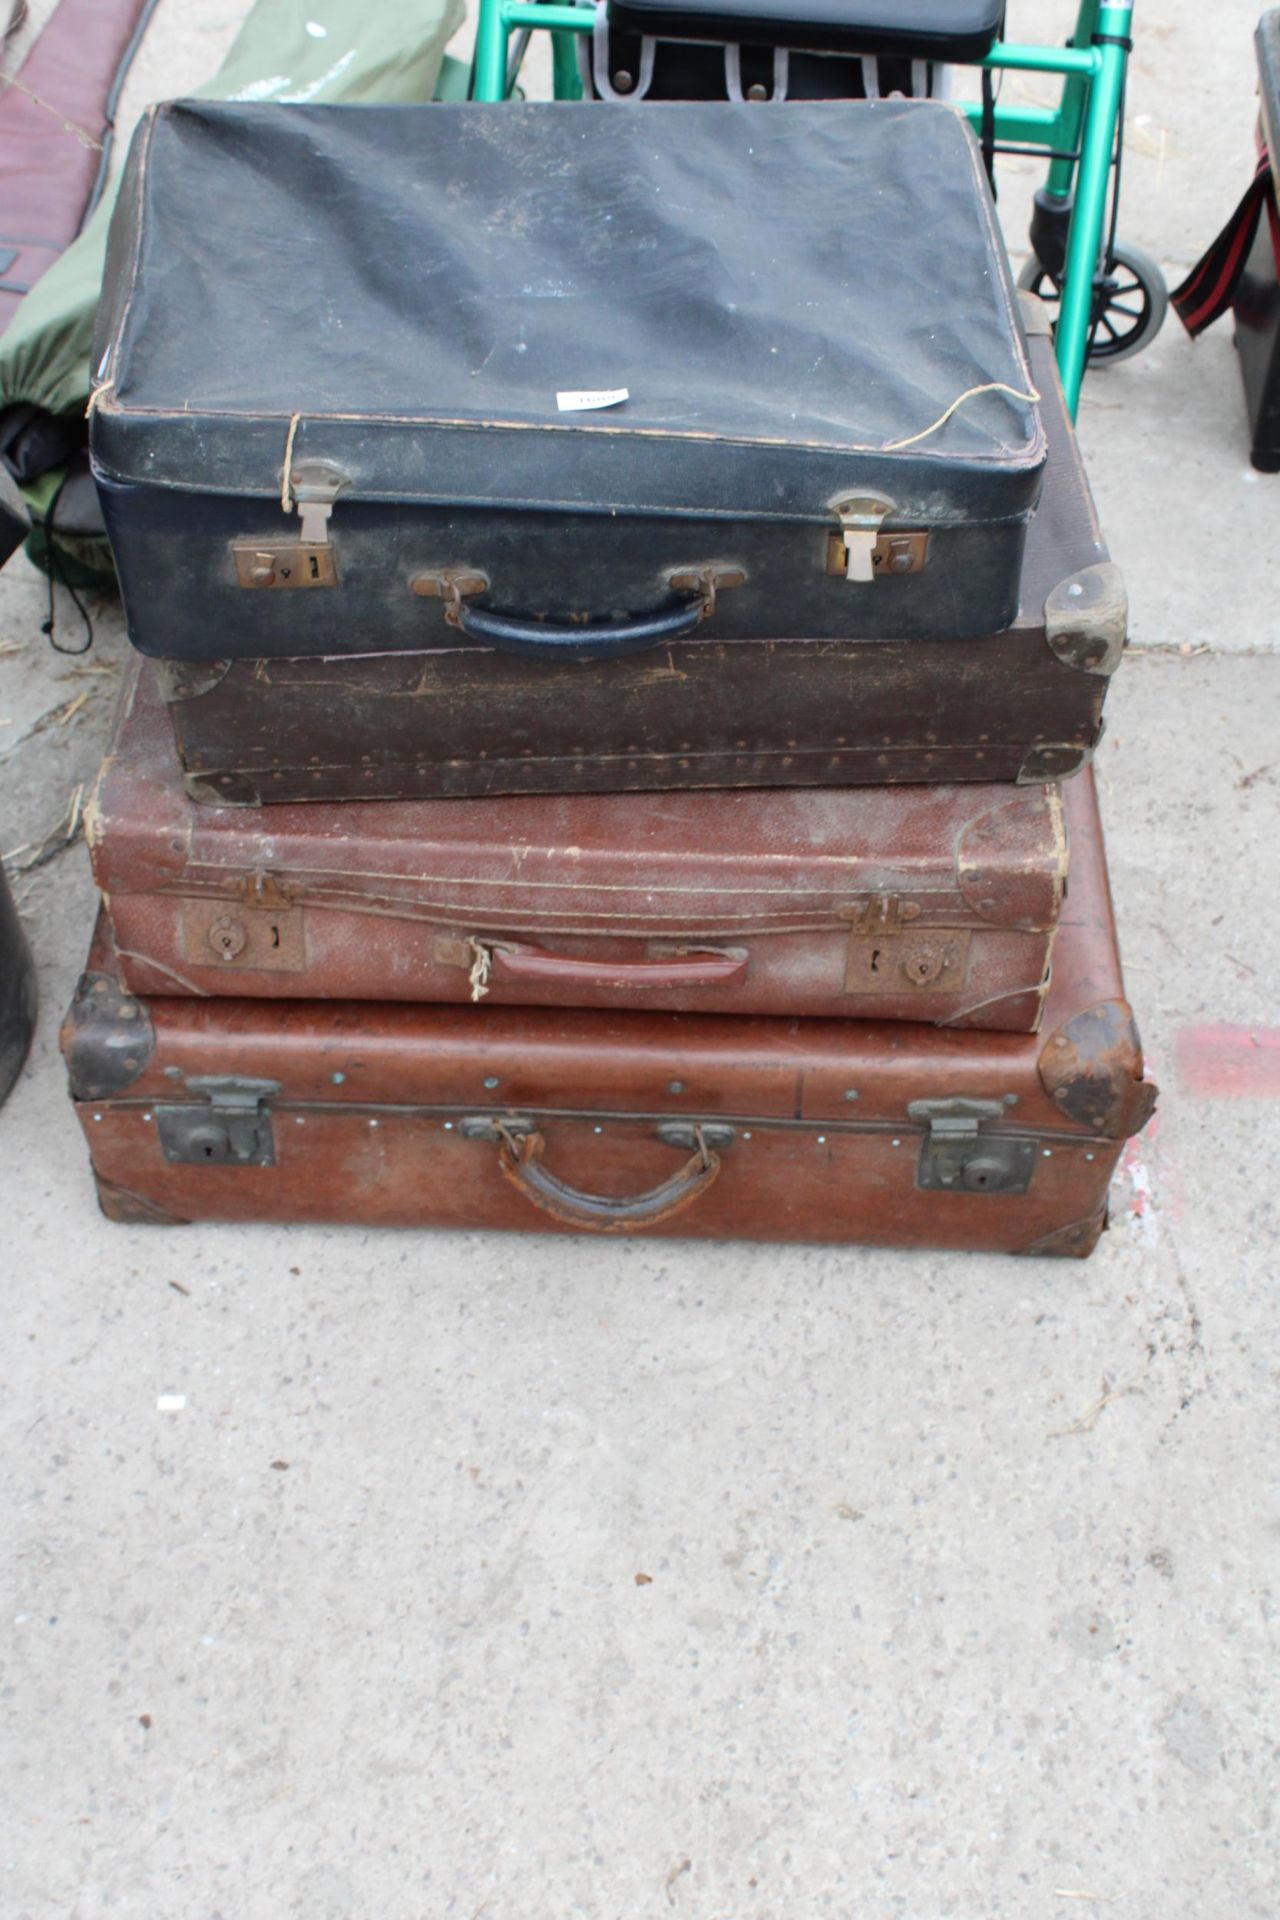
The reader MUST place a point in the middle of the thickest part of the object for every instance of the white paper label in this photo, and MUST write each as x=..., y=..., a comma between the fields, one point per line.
x=589, y=402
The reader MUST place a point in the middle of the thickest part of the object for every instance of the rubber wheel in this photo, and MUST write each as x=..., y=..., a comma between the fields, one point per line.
x=1129, y=303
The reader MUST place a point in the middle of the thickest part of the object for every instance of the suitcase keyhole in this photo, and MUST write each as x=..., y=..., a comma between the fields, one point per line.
x=313, y=566
x=875, y=959
x=275, y=936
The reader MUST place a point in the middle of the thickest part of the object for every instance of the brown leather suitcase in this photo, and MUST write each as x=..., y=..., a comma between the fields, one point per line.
x=901, y=903
x=726, y=1127
x=1023, y=704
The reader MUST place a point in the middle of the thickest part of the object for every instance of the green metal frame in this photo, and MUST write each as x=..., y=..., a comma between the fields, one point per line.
x=1083, y=124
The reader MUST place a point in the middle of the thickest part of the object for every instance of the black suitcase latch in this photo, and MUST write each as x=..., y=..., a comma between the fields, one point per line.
x=230, y=1127
x=956, y=1155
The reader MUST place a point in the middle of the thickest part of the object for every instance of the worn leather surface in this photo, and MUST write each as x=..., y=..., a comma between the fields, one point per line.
x=368, y=1121
x=931, y=903
x=792, y=303
x=47, y=169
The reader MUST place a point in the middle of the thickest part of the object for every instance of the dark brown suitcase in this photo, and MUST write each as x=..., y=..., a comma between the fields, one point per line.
x=900, y=903
x=843, y=1130
x=1023, y=704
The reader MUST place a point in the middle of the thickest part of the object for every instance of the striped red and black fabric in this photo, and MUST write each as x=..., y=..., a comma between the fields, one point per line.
x=1209, y=288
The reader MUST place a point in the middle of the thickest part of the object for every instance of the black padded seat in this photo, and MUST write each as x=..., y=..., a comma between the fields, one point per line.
x=960, y=30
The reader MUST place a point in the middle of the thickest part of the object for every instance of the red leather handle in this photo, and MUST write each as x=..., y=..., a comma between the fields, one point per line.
x=711, y=969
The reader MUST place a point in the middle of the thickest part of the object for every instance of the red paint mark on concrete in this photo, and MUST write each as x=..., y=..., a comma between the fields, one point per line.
x=1229, y=1063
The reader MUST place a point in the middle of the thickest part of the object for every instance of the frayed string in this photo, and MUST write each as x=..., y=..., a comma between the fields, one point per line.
x=57, y=578
x=970, y=393
x=286, y=495
x=481, y=967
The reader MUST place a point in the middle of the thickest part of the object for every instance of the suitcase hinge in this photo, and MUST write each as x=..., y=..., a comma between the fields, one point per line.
x=956, y=1155
x=861, y=551
x=231, y=1126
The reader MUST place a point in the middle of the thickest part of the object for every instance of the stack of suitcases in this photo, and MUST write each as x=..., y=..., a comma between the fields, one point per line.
x=622, y=630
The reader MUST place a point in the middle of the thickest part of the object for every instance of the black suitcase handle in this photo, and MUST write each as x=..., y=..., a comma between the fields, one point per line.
x=536, y=639
x=602, y=640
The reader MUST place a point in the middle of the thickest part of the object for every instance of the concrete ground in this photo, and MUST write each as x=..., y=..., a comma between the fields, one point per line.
x=964, y=1572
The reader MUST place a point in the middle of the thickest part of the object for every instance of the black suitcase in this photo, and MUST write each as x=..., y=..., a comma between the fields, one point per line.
x=351, y=360
x=1023, y=704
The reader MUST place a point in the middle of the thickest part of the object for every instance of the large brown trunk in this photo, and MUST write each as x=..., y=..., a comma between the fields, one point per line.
x=712, y=1126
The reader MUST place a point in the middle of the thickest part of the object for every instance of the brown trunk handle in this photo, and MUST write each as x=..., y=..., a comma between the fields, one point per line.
x=712, y=967
x=520, y=1149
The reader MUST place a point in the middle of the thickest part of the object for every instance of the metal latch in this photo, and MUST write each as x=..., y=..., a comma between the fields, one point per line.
x=315, y=485
x=860, y=521
x=231, y=1126
x=308, y=561
x=883, y=956
x=264, y=931
x=955, y=1155
x=861, y=551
